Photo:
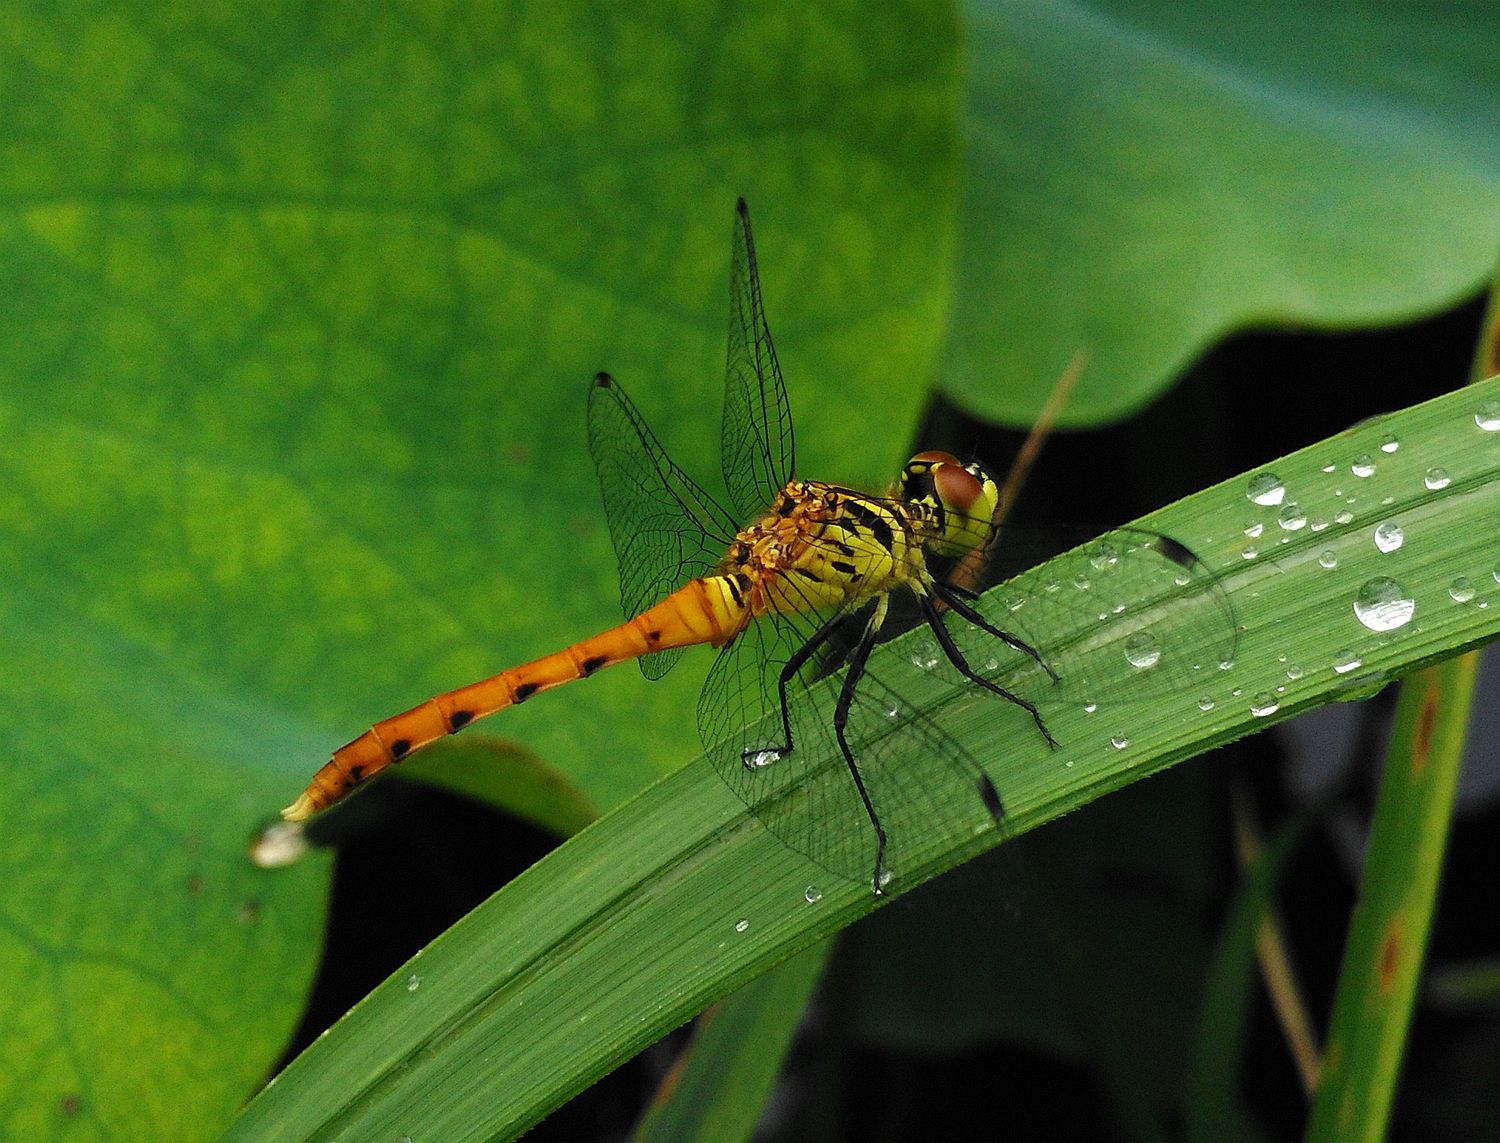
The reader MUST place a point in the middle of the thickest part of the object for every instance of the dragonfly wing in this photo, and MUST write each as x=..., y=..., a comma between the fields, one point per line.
x=666, y=529
x=1132, y=617
x=757, y=447
x=919, y=778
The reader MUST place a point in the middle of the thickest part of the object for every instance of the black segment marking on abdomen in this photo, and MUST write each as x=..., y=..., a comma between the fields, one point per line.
x=460, y=719
x=525, y=691
x=592, y=664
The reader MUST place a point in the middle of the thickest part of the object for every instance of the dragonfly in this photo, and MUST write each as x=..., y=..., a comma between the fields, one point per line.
x=833, y=740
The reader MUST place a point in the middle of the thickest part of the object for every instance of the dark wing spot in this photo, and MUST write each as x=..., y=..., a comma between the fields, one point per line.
x=1176, y=551
x=460, y=719
x=991, y=797
x=400, y=748
x=592, y=664
x=809, y=574
x=881, y=530
x=525, y=691
x=842, y=568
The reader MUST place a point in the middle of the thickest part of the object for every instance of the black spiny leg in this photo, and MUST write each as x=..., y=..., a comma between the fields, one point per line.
x=946, y=593
x=794, y=664
x=857, y=660
x=956, y=657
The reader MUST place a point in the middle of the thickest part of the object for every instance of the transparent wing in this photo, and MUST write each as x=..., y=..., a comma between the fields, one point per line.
x=757, y=450
x=666, y=530
x=1129, y=618
x=920, y=778
x=1132, y=617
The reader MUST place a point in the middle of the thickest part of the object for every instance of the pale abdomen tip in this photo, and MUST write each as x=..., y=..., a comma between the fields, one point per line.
x=300, y=810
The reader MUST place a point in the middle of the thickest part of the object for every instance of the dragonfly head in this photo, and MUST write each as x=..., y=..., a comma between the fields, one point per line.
x=959, y=500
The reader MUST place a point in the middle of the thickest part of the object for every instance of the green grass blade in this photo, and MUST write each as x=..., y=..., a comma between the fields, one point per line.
x=680, y=897
x=1398, y=892
x=727, y=1076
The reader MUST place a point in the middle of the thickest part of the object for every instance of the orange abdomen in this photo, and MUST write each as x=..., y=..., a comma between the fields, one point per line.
x=702, y=611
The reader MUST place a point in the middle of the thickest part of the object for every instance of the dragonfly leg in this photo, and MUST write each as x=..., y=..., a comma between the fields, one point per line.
x=857, y=660
x=945, y=593
x=956, y=657
x=788, y=672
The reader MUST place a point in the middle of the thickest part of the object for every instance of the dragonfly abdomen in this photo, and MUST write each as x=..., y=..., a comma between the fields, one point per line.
x=709, y=610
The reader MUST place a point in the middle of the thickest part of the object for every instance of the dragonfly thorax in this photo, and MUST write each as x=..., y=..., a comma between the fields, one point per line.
x=951, y=504
x=820, y=545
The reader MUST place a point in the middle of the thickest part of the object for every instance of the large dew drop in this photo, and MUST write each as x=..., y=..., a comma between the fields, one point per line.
x=1142, y=651
x=1266, y=490
x=1389, y=537
x=1384, y=605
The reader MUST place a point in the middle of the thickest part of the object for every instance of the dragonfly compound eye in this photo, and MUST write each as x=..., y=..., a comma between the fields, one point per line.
x=965, y=495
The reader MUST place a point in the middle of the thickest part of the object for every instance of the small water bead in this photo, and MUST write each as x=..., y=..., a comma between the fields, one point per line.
x=1292, y=518
x=760, y=759
x=1226, y=664
x=1249, y=552
x=1090, y=707
x=1119, y=741
x=1141, y=650
x=1389, y=443
x=1081, y=582
x=1383, y=604
x=741, y=926
x=1363, y=466
x=413, y=982
x=1330, y=467
x=813, y=895
x=893, y=711
x=1343, y=516
x=1104, y=557
x=1205, y=703
x=1346, y=661
x=885, y=879
x=1328, y=559
x=1318, y=523
x=1436, y=478
x=1461, y=589
x=1264, y=705
x=1266, y=490
x=1487, y=417
x=1496, y=573
x=1389, y=537
x=924, y=655
x=1253, y=529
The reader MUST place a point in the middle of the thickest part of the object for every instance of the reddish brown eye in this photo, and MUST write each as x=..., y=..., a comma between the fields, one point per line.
x=934, y=458
x=956, y=487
